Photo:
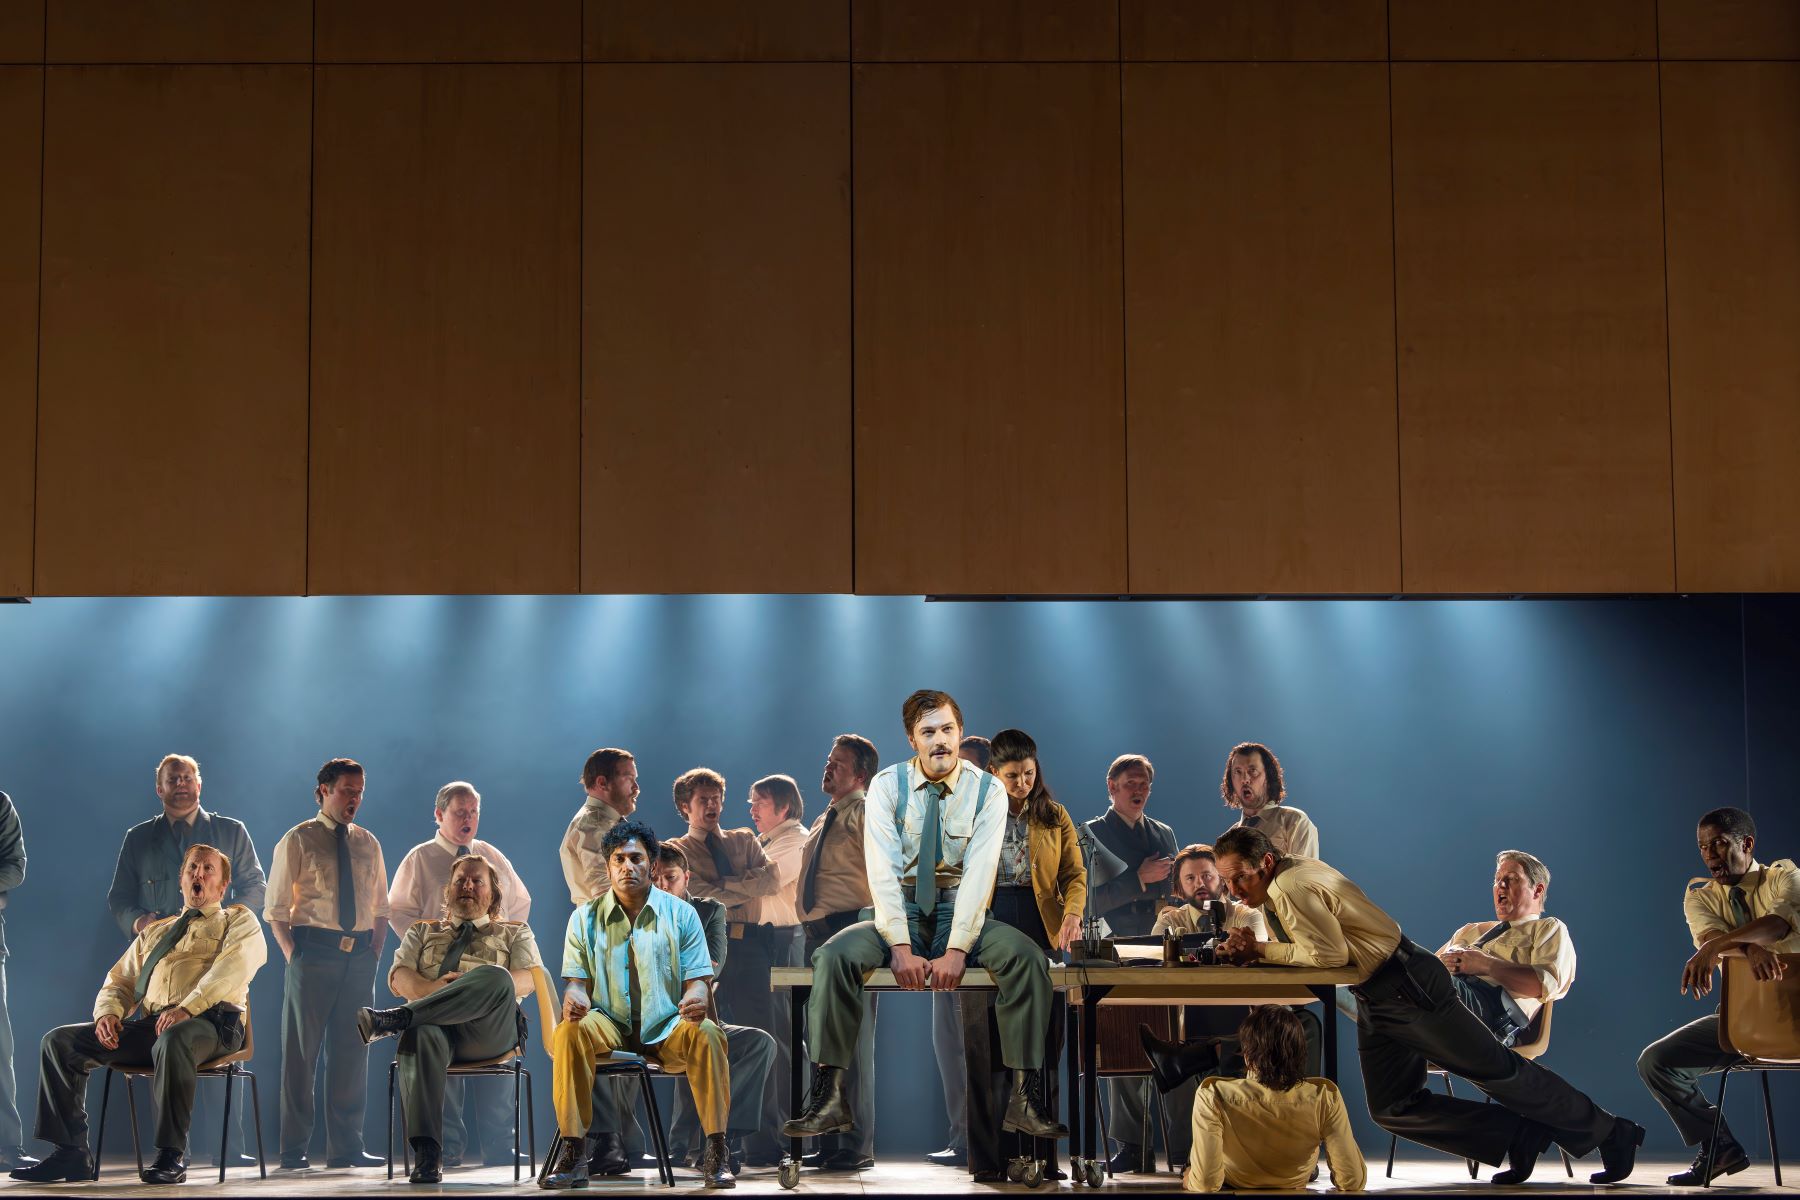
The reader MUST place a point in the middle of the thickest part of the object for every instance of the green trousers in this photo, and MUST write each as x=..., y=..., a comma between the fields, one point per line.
x=1021, y=977
x=320, y=994
x=473, y=1017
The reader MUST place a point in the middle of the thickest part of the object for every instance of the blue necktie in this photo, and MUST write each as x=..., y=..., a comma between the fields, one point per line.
x=930, y=850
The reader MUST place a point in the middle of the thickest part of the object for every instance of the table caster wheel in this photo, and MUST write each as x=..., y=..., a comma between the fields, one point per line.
x=788, y=1173
x=1096, y=1172
x=1032, y=1174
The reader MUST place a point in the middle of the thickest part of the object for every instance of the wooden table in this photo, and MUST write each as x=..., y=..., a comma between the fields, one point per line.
x=1088, y=987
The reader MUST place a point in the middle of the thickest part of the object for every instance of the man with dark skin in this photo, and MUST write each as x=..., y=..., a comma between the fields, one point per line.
x=1739, y=908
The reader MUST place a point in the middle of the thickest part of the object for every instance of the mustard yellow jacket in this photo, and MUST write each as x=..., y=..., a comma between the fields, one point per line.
x=1058, y=878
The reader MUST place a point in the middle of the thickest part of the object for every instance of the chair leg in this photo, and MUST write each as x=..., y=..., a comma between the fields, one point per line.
x=654, y=1113
x=100, y=1139
x=225, y=1125
x=1712, y=1144
x=530, y=1125
x=262, y=1167
x=390, y=1120
x=1769, y=1117
x=137, y=1147
x=1162, y=1123
x=515, y=1075
x=1393, y=1144
x=1568, y=1167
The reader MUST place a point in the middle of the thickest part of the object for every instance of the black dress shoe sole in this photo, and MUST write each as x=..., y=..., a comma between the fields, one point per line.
x=160, y=1178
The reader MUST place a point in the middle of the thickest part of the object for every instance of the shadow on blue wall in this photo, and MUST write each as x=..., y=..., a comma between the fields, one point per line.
x=1420, y=736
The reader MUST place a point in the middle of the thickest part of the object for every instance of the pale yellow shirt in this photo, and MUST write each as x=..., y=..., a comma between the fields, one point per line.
x=418, y=891
x=303, y=877
x=213, y=963
x=842, y=882
x=784, y=845
x=1289, y=828
x=1771, y=889
x=1185, y=918
x=1539, y=942
x=508, y=944
x=1330, y=921
x=1250, y=1136
x=583, y=862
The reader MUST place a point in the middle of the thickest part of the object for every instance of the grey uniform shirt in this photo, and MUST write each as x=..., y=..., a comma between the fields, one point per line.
x=148, y=876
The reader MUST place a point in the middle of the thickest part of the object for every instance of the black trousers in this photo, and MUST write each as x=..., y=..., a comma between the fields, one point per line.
x=859, y=1081
x=990, y=1082
x=71, y=1052
x=1408, y=1014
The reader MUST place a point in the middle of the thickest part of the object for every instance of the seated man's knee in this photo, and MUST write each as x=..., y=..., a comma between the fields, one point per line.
x=492, y=977
x=1649, y=1062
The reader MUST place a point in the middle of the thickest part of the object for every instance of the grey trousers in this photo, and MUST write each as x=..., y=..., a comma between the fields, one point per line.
x=859, y=1081
x=1671, y=1068
x=473, y=1017
x=320, y=994
x=12, y=1130
x=750, y=1053
x=71, y=1052
x=947, y=1046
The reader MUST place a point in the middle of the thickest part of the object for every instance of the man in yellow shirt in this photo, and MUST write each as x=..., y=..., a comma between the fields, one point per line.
x=1507, y=969
x=188, y=978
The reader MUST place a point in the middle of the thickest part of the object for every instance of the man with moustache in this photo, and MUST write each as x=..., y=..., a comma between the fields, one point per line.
x=187, y=977
x=1740, y=908
x=1506, y=969
x=418, y=895
x=1254, y=785
x=931, y=841
x=327, y=907
x=833, y=891
x=637, y=976
x=461, y=977
x=1408, y=1014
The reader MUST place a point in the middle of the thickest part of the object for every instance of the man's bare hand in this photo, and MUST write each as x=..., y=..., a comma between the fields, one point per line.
x=909, y=969
x=947, y=972
x=444, y=980
x=1697, y=975
x=144, y=922
x=575, y=1004
x=168, y=1018
x=1239, y=947
x=692, y=1009
x=1765, y=964
x=106, y=1032
x=1070, y=933
x=1154, y=870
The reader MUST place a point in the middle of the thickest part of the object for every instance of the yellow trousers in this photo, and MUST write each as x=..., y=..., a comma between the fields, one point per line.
x=696, y=1050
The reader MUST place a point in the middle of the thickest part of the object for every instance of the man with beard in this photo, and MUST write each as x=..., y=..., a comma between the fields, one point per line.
x=1254, y=785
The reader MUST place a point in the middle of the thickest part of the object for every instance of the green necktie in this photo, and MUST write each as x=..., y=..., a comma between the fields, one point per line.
x=465, y=933
x=346, y=882
x=162, y=948
x=930, y=850
x=1275, y=926
x=1740, y=908
x=1493, y=933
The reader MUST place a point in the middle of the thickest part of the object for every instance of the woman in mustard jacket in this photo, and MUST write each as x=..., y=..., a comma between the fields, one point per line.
x=1041, y=890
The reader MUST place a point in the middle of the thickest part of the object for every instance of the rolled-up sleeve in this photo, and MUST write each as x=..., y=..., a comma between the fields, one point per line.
x=1317, y=937
x=278, y=904
x=577, y=951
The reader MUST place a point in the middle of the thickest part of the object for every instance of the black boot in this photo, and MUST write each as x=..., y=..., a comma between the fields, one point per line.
x=715, y=1163
x=170, y=1167
x=1022, y=1112
x=1174, y=1063
x=1728, y=1159
x=428, y=1163
x=1531, y=1140
x=608, y=1157
x=569, y=1169
x=826, y=1109
x=373, y=1023
x=66, y=1164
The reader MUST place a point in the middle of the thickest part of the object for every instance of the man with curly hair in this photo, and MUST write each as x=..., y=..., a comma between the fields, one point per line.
x=1254, y=785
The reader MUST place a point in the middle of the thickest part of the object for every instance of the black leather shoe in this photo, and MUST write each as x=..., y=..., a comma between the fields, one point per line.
x=1022, y=1112
x=715, y=1163
x=373, y=1023
x=294, y=1162
x=1174, y=1063
x=608, y=1156
x=15, y=1158
x=846, y=1160
x=428, y=1162
x=66, y=1164
x=170, y=1167
x=569, y=1168
x=355, y=1160
x=1618, y=1153
x=949, y=1156
x=1132, y=1160
x=1730, y=1159
x=1531, y=1140
x=827, y=1109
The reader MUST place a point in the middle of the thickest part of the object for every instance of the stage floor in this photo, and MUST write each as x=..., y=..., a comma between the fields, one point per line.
x=1434, y=1176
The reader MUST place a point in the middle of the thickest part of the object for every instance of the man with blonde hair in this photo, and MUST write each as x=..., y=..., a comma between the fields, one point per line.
x=1506, y=969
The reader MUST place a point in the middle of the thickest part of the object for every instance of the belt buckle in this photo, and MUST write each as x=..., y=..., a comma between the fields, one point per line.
x=346, y=944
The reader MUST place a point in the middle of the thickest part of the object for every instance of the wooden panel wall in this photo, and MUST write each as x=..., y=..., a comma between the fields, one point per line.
x=1522, y=29
x=178, y=31
x=1534, y=447
x=716, y=31
x=984, y=30
x=989, y=395
x=1731, y=155
x=1259, y=261
x=21, y=127
x=445, y=416
x=716, y=329
x=21, y=31
x=1254, y=30
x=172, y=429
x=469, y=31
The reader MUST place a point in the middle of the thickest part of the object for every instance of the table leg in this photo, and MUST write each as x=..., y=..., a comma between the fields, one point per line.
x=1091, y=997
x=797, y=1000
x=1327, y=994
x=1072, y=1093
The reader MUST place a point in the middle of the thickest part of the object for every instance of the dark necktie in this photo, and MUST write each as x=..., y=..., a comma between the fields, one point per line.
x=461, y=850
x=809, y=885
x=1740, y=908
x=1275, y=926
x=930, y=850
x=1491, y=934
x=465, y=933
x=721, y=862
x=346, y=882
x=1250, y=822
x=166, y=944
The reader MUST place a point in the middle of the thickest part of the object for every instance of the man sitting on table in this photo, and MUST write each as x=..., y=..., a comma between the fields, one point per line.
x=189, y=977
x=1506, y=969
x=1408, y=1014
x=637, y=975
x=461, y=978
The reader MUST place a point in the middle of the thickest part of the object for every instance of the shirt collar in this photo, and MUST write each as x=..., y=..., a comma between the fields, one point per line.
x=449, y=845
x=950, y=781
x=481, y=922
x=1118, y=816
x=609, y=907
x=192, y=820
x=210, y=909
x=326, y=821
x=790, y=823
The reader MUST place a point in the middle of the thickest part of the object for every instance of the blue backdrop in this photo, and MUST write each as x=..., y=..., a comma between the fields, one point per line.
x=1420, y=736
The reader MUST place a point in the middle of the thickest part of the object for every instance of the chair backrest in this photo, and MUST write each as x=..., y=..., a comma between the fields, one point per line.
x=1758, y=1019
x=546, y=1004
x=1535, y=1038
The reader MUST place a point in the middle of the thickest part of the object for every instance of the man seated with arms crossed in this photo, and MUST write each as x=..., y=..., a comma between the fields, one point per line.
x=461, y=978
x=1408, y=1014
x=1263, y=1131
x=932, y=833
x=1507, y=969
x=637, y=973
x=749, y=1052
x=1739, y=907
x=189, y=975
